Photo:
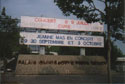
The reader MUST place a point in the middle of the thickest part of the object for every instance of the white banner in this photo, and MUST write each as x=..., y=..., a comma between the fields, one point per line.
x=61, y=40
x=60, y=24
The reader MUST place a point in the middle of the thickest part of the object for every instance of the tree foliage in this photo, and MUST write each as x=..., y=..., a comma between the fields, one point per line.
x=112, y=14
x=9, y=36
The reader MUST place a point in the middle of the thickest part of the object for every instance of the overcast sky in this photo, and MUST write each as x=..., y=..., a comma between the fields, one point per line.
x=45, y=8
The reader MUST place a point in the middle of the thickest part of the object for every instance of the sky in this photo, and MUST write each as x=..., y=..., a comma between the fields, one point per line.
x=45, y=8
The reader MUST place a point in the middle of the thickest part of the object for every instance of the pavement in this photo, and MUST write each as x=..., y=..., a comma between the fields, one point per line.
x=11, y=78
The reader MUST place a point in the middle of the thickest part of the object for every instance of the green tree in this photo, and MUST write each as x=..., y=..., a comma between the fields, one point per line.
x=9, y=37
x=112, y=15
x=3, y=11
x=115, y=52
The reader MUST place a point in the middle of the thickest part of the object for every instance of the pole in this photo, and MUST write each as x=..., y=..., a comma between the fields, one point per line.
x=109, y=57
x=42, y=48
x=82, y=50
x=109, y=44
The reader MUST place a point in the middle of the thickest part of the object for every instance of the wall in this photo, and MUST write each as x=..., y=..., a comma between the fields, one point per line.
x=36, y=64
